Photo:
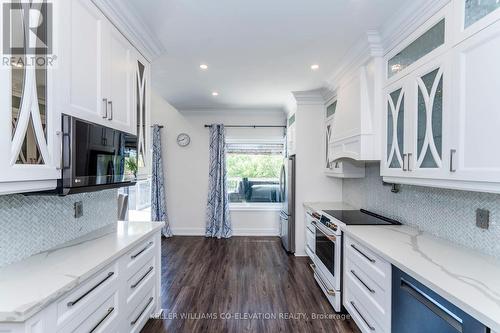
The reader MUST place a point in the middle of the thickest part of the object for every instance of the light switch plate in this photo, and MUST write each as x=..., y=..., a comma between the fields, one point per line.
x=483, y=218
x=78, y=209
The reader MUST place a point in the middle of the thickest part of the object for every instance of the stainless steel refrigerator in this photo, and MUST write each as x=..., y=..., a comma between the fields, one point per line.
x=287, y=214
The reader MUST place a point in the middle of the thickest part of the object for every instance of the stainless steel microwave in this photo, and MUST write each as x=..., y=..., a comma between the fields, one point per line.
x=95, y=157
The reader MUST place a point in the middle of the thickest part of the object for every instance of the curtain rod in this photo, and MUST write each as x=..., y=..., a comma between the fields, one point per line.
x=250, y=126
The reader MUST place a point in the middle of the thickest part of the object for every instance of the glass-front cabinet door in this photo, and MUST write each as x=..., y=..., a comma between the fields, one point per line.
x=394, y=159
x=142, y=110
x=29, y=134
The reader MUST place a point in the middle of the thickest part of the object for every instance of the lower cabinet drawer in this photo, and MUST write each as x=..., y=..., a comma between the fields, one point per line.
x=369, y=292
x=362, y=315
x=310, y=241
x=103, y=319
x=143, y=279
x=141, y=313
x=136, y=258
x=78, y=302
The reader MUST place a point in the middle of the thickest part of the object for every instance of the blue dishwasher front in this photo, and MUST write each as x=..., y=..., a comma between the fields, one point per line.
x=417, y=309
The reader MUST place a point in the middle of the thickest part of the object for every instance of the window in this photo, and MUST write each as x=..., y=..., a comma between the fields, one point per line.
x=138, y=204
x=253, y=170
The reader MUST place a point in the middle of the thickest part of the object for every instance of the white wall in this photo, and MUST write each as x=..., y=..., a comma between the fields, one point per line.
x=186, y=169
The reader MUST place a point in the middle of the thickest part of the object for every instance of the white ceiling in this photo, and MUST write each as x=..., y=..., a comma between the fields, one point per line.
x=258, y=51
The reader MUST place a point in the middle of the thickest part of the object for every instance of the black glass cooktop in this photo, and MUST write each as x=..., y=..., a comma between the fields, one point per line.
x=360, y=217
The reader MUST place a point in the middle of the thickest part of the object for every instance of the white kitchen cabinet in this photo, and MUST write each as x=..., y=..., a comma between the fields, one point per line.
x=310, y=230
x=97, y=69
x=119, y=298
x=367, y=287
x=29, y=137
x=476, y=87
x=356, y=130
x=418, y=117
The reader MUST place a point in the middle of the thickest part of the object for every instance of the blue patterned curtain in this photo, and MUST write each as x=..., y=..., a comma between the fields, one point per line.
x=218, y=220
x=158, y=197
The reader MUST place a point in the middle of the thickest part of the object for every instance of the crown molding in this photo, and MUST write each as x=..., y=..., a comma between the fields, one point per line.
x=309, y=97
x=370, y=46
x=132, y=27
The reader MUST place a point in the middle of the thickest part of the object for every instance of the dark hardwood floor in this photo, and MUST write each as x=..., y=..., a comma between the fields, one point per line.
x=213, y=281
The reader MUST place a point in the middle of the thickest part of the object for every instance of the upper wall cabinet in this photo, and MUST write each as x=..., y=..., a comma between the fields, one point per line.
x=29, y=138
x=441, y=120
x=97, y=69
x=474, y=15
x=356, y=130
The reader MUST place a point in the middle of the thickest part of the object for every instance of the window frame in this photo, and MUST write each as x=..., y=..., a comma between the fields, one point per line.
x=256, y=206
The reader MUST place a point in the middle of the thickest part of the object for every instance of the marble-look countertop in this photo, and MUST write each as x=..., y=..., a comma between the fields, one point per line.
x=26, y=287
x=320, y=206
x=468, y=279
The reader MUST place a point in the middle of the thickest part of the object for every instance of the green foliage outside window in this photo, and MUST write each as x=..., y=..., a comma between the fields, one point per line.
x=254, y=166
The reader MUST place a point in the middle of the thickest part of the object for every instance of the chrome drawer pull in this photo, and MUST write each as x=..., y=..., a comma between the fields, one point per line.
x=362, y=282
x=452, y=165
x=110, y=311
x=141, y=251
x=364, y=255
x=363, y=318
x=133, y=322
x=329, y=291
x=142, y=278
x=110, y=274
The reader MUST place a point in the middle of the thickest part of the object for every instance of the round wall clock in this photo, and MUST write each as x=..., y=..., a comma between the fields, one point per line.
x=183, y=140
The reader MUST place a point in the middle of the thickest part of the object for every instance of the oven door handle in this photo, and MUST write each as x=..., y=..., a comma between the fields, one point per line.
x=330, y=237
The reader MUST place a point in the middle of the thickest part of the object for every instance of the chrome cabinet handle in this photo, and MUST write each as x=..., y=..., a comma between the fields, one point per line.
x=61, y=163
x=362, y=282
x=329, y=291
x=404, y=163
x=110, y=116
x=141, y=251
x=105, y=115
x=364, y=255
x=108, y=313
x=363, y=318
x=72, y=303
x=142, y=278
x=452, y=160
x=133, y=322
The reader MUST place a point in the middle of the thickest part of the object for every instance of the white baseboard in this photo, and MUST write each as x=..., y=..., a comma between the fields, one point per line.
x=236, y=232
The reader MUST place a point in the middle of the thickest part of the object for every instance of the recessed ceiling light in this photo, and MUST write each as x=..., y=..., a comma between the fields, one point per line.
x=215, y=94
x=204, y=67
x=314, y=67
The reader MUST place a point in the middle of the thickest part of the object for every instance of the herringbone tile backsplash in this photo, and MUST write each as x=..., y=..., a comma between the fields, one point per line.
x=445, y=213
x=32, y=224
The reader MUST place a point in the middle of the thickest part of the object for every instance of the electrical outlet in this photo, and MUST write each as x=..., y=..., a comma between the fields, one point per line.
x=483, y=218
x=78, y=209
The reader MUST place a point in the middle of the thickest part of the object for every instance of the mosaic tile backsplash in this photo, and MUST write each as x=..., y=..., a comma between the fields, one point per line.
x=447, y=214
x=32, y=224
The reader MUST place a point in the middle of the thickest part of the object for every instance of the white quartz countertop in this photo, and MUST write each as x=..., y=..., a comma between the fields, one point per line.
x=26, y=287
x=321, y=206
x=466, y=278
